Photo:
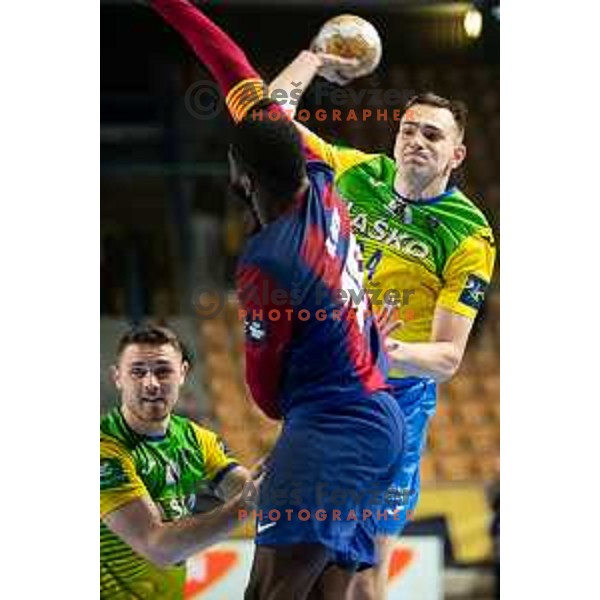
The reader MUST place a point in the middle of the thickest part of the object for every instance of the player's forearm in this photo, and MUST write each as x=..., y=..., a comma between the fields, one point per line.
x=438, y=360
x=171, y=543
x=221, y=55
x=294, y=80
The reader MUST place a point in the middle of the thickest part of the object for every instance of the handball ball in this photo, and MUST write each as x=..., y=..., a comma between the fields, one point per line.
x=349, y=36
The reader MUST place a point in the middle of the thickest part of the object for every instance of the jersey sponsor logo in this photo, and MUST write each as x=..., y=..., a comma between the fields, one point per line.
x=255, y=329
x=381, y=231
x=402, y=210
x=172, y=473
x=474, y=292
x=112, y=474
x=225, y=449
x=488, y=237
x=178, y=507
x=433, y=222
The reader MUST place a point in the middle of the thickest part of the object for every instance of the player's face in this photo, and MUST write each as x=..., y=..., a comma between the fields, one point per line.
x=149, y=378
x=428, y=144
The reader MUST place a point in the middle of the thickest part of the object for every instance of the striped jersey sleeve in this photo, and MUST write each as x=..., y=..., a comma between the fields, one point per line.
x=467, y=275
x=217, y=457
x=338, y=158
x=119, y=481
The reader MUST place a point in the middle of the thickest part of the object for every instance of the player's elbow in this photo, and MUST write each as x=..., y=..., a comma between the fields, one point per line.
x=160, y=557
x=265, y=398
x=155, y=550
x=449, y=366
x=444, y=374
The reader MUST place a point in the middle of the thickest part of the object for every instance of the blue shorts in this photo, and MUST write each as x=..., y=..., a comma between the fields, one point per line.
x=416, y=398
x=332, y=464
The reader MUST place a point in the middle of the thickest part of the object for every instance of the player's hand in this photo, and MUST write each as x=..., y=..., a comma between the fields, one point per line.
x=333, y=67
x=249, y=496
x=259, y=467
x=388, y=322
x=336, y=68
x=251, y=492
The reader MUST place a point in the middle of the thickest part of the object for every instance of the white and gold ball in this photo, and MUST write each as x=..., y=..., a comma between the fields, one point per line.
x=349, y=36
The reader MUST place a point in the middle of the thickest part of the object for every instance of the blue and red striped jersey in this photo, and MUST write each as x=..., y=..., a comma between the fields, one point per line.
x=310, y=332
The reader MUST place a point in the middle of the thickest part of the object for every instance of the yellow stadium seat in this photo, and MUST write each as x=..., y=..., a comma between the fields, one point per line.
x=488, y=466
x=219, y=362
x=484, y=439
x=488, y=362
x=468, y=366
x=495, y=413
x=446, y=438
x=491, y=388
x=444, y=413
x=456, y=467
x=226, y=392
x=215, y=335
x=473, y=413
x=443, y=393
x=462, y=388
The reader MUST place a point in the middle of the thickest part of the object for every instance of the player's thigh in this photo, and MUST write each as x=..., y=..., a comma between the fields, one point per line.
x=334, y=582
x=285, y=572
x=363, y=586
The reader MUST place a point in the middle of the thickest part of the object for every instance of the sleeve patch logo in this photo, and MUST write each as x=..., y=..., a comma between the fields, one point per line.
x=255, y=329
x=224, y=447
x=474, y=292
x=112, y=474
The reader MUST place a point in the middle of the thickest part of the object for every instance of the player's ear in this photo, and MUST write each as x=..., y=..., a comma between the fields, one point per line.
x=458, y=156
x=115, y=375
x=246, y=184
x=185, y=369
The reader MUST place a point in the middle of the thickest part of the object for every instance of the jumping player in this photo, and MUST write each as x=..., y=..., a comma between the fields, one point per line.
x=421, y=238
x=313, y=358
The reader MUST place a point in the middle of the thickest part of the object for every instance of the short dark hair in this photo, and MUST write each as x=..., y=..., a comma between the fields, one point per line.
x=458, y=108
x=153, y=335
x=267, y=143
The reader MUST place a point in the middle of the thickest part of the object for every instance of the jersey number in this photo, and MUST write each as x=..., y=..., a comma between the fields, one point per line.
x=352, y=274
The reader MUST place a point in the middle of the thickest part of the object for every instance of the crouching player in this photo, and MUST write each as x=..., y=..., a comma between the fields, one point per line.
x=155, y=469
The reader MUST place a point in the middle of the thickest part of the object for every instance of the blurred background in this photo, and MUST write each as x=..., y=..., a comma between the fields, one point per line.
x=168, y=227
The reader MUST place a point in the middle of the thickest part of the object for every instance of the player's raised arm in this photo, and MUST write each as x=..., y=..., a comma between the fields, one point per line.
x=294, y=80
x=240, y=83
x=287, y=89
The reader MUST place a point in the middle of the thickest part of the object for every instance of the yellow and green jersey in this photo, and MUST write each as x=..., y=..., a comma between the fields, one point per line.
x=426, y=254
x=174, y=471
